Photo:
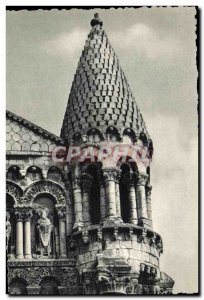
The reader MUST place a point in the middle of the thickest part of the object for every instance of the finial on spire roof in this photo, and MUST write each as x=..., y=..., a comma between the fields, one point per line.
x=96, y=21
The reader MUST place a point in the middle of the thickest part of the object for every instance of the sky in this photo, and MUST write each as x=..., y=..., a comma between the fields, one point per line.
x=157, y=51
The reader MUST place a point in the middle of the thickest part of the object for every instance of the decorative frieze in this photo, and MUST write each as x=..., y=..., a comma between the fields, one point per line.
x=40, y=187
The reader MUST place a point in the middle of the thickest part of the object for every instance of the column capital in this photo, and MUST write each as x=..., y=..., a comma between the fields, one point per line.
x=148, y=190
x=76, y=183
x=142, y=178
x=111, y=174
x=23, y=213
x=61, y=211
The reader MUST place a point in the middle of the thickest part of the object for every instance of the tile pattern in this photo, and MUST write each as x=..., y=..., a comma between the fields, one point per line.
x=100, y=95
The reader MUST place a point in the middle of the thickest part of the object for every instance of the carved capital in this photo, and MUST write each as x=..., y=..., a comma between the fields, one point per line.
x=143, y=237
x=85, y=236
x=111, y=174
x=142, y=179
x=61, y=211
x=99, y=234
x=76, y=183
x=113, y=275
x=148, y=191
x=23, y=213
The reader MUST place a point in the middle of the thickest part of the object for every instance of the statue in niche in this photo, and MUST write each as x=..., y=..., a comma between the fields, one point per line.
x=44, y=229
x=8, y=230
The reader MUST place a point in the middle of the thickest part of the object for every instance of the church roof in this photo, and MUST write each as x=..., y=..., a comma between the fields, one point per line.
x=18, y=130
x=100, y=95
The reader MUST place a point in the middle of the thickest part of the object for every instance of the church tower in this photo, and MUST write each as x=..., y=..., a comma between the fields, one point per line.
x=83, y=225
x=109, y=223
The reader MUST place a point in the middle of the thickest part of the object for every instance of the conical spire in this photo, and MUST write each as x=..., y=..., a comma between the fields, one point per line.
x=100, y=95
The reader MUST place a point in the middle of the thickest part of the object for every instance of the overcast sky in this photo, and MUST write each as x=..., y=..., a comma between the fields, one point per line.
x=156, y=49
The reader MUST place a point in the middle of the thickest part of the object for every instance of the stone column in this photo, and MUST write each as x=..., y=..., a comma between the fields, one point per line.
x=19, y=235
x=27, y=235
x=141, y=199
x=132, y=199
x=86, y=188
x=149, y=204
x=77, y=195
x=103, y=210
x=110, y=176
x=69, y=216
x=102, y=200
x=61, y=210
x=117, y=194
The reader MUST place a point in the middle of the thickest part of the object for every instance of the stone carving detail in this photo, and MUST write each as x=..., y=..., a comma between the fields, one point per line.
x=113, y=275
x=23, y=213
x=115, y=233
x=143, y=237
x=111, y=174
x=159, y=245
x=61, y=210
x=148, y=191
x=142, y=179
x=72, y=244
x=85, y=236
x=14, y=190
x=149, y=275
x=89, y=283
x=45, y=187
x=44, y=229
x=76, y=183
x=67, y=276
x=99, y=235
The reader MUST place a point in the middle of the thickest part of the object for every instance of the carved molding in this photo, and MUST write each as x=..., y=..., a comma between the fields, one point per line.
x=41, y=263
x=67, y=276
x=50, y=187
x=14, y=191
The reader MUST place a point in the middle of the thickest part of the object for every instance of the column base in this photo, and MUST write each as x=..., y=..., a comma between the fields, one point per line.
x=111, y=220
x=20, y=256
x=28, y=256
x=143, y=222
x=134, y=221
x=63, y=256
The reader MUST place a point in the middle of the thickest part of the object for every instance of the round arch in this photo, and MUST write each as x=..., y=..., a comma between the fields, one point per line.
x=45, y=187
x=14, y=191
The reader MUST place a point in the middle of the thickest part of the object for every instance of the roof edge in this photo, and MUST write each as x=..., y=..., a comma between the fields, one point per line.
x=35, y=128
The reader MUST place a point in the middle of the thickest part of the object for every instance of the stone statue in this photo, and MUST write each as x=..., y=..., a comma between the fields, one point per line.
x=8, y=230
x=44, y=229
